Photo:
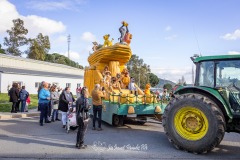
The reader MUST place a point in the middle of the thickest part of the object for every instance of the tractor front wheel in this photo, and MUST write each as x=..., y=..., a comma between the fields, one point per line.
x=193, y=123
x=117, y=120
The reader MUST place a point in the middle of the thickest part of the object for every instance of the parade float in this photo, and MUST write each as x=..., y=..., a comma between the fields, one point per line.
x=123, y=98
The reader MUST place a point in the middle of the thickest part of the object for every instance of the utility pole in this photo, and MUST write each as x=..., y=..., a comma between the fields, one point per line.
x=69, y=40
x=192, y=75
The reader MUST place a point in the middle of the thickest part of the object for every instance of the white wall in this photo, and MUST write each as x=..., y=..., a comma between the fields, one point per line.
x=29, y=82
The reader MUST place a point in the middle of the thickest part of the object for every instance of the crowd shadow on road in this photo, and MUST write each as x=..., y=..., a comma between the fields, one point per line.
x=28, y=131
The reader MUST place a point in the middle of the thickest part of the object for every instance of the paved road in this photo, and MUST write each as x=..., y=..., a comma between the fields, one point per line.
x=24, y=138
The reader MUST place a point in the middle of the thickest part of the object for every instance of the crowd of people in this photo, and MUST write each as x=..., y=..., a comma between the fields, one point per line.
x=18, y=95
x=52, y=99
x=165, y=95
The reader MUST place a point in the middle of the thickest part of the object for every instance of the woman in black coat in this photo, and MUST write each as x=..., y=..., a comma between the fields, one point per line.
x=66, y=100
x=14, y=96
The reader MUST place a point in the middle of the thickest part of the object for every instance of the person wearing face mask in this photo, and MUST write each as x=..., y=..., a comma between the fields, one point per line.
x=66, y=100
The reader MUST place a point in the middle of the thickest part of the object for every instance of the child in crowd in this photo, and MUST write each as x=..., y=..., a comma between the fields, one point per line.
x=28, y=102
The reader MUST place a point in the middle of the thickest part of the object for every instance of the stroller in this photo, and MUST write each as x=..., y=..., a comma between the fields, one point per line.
x=71, y=119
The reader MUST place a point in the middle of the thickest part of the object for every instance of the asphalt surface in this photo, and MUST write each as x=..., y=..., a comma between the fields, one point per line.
x=25, y=139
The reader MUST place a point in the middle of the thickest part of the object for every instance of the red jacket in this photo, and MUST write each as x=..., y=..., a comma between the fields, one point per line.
x=28, y=100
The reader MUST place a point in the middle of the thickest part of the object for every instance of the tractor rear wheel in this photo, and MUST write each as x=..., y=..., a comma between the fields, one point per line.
x=194, y=123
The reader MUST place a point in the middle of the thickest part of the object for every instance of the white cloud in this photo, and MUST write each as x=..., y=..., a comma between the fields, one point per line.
x=168, y=28
x=35, y=24
x=8, y=12
x=46, y=5
x=88, y=37
x=232, y=36
x=233, y=52
x=172, y=37
x=75, y=56
x=174, y=74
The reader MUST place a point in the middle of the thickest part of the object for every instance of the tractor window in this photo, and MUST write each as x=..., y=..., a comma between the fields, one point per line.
x=228, y=74
x=206, y=76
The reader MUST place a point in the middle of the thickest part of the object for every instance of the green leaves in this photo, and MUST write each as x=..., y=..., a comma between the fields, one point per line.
x=139, y=70
x=2, y=51
x=167, y=86
x=17, y=38
x=39, y=47
x=153, y=79
x=61, y=59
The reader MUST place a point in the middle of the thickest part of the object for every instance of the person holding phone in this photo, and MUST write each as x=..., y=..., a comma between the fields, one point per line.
x=44, y=99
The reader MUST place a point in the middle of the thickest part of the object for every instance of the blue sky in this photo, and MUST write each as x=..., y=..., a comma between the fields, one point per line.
x=165, y=33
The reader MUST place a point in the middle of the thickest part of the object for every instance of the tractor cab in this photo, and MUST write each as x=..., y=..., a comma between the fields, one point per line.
x=223, y=75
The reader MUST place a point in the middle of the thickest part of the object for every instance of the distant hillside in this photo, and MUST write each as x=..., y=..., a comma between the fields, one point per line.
x=164, y=81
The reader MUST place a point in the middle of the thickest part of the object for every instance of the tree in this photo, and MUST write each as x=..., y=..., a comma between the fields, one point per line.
x=2, y=51
x=182, y=81
x=39, y=47
x=61, y=59
x=167, y=86
x=153, y=79
x=16, y=38
x=138, y=70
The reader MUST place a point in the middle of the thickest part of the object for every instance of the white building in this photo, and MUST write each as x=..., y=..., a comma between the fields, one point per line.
x=30, y=73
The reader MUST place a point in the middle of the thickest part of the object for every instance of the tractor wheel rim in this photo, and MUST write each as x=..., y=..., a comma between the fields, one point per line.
x=191, y=123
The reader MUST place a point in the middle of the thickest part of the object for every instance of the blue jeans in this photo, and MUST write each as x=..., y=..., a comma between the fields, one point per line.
x=23, y=105
x=44, y=111
x=55, y=114
x=97, y=111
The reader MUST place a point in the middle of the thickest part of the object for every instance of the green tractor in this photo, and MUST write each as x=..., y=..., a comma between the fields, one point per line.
x=198, y=117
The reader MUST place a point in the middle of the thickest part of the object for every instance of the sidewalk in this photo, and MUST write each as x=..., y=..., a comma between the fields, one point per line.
x=8, y=115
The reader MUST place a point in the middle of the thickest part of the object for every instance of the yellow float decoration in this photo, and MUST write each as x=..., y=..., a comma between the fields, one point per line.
x=123, y=97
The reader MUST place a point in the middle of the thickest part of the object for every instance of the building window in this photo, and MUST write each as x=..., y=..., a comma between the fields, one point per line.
x=37, y=84
x=78, y=85
x=68, y=85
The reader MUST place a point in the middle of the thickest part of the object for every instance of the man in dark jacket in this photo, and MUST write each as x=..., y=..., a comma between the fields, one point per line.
x=14, y=96
x=82, y=107
x=66, y=100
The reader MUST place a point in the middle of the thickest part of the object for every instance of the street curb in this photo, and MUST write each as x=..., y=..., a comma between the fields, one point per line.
x=18, y=115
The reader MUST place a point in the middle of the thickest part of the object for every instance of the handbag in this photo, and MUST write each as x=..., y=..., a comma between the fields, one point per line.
x=56, y=102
